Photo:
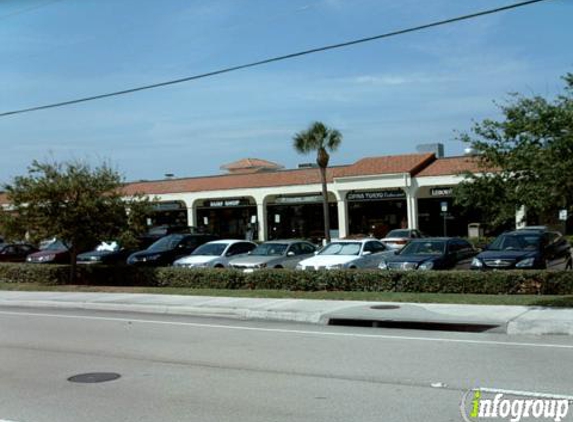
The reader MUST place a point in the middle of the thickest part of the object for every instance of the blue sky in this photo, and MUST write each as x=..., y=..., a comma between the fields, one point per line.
x=385, y=97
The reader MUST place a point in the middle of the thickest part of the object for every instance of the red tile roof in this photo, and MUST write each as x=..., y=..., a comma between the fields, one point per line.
x=251, y=165
x=410, y=163
x=450, y=166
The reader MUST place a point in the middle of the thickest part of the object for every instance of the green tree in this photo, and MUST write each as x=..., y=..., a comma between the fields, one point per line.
x=75, y=203
x=525, y=159
x=322, y=139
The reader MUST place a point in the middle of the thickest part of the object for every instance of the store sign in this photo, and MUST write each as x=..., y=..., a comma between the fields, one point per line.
x=298, y=199
x=442, y=191
x=376, y=196
x=219, y=203
x=563, y=215
x=168, y=206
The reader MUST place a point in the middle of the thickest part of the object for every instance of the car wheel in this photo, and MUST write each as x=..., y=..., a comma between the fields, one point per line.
x=218, y=266
x=278, y=267
x=354, y=267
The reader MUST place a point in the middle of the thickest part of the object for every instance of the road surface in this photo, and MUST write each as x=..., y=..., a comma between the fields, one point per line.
x=195, y=369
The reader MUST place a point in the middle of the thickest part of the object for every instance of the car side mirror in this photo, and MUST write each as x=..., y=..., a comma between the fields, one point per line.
x=396, y=252
x=316, y=252
x=366, y=253
x=290, y=253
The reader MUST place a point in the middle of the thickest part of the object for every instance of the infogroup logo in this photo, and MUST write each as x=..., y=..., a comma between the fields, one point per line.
x=489, y=404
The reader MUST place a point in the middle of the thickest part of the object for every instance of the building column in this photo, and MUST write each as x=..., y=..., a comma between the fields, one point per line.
x=412, y=205
x=191, y=216
x=520, y=217
x=262, y=219
x=342, y=206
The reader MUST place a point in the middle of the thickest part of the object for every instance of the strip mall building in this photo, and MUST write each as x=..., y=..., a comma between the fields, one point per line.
x=371, y=196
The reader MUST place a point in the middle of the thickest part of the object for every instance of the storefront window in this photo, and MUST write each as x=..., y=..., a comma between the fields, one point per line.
x=228, y=218
x=376, y=213
x=301, y=221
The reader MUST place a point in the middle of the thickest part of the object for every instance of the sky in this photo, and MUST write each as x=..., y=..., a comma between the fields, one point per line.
x=385, y=97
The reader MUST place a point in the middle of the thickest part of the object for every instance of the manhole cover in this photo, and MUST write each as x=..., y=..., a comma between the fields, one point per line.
x=94, y=377
x=385, y=307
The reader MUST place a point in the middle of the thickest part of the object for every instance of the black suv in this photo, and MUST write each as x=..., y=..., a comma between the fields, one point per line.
x=168, y=249
x=530, y=248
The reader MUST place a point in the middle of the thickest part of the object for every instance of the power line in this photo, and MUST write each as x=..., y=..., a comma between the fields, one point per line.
x=273, y=59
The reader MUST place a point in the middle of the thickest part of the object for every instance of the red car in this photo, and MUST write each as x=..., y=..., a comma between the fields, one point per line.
x=55, y=253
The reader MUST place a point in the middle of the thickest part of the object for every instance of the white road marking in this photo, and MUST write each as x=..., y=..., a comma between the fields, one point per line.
x=531, y=394
x=286, y=331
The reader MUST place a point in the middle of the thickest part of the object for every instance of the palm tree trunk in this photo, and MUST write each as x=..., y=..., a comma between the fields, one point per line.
x=325, y=207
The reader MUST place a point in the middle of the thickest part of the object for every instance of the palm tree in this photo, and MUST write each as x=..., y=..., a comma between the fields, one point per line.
x=320, y=138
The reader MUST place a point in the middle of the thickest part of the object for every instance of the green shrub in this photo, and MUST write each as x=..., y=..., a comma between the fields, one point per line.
x=474, y=282
x=34, y=273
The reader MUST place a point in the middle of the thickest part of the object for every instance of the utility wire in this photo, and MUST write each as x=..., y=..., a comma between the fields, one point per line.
x=273, y=59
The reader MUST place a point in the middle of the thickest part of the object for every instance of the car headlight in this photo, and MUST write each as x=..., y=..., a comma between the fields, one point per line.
x=299, y=267
x=428, y=265
x=151, y=257
x=476, y=263
x=46, y=258
x=95, y=258
x=525, y=263
x=383, y=265
x=336, y=266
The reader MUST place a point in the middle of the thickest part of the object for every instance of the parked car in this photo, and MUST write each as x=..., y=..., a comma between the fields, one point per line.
x=168, y=249
x=360, y=253
x=432, y=253
x=526, y=248
x=397, y=239
x=54, y=252
x=275, y=254
x=157, y=232
x=15, y=252
x=107, y=253
x=216, y=254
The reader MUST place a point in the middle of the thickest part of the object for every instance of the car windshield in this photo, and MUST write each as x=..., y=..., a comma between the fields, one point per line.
x=341, y=248
x=398, y=233
x=516, y=242
x=212, y=249
x=270, y=249
x=432, y=247
x=166, y=243
x=56, y=245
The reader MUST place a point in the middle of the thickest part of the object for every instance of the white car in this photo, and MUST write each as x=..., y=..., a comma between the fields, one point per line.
x=397, y=239
x=216, y=254
x=339, y=254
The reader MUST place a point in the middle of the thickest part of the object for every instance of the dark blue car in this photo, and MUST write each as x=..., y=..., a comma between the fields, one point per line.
x=431, y=253
x=526, y=249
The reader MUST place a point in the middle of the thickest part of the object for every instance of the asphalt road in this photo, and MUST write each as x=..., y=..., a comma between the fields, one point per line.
x=194, y=369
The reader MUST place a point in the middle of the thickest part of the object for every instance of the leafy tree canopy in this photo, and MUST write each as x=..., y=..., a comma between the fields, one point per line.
x=73, y=202
x=526, y=158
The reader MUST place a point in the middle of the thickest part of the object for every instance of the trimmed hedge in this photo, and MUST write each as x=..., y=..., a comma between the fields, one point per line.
x=476, y=282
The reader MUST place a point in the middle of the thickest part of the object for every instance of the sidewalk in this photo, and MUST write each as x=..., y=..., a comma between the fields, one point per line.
x=506, y=319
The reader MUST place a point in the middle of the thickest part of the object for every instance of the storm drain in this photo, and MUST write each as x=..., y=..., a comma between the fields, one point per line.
x=385, y=307
x=413, y=325
x=94, y=377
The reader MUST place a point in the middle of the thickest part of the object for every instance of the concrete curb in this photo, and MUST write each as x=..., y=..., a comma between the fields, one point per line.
x=513, y=320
